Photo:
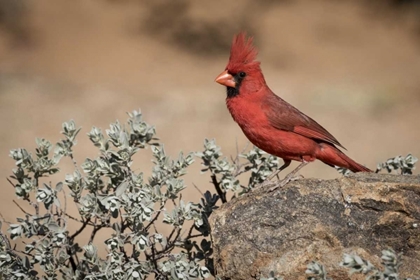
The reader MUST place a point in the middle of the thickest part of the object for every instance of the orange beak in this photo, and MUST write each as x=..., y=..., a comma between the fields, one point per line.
x=226, y=79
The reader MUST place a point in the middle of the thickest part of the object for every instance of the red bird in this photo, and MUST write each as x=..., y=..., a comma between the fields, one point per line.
x=271, y=123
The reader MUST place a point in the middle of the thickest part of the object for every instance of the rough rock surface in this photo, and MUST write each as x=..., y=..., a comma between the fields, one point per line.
x=318, y=220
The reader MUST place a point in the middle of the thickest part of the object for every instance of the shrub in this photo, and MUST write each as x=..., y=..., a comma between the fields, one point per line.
x=108, y=193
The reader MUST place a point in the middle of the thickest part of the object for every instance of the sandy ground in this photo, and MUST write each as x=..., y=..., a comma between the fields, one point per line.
x=354, y=68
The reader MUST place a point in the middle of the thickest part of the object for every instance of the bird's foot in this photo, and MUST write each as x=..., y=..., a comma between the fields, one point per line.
x=266, y=184
x=289, y=178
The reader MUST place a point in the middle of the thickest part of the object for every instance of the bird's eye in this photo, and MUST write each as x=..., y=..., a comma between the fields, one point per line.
x=242, y=74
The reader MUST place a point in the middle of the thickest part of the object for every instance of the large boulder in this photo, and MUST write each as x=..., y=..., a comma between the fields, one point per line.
x=318, y=220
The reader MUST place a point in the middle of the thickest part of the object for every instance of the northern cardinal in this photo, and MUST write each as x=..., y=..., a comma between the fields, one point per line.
x=271, y=123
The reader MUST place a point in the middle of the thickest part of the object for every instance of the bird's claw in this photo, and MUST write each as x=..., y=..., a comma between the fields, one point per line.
x=285, y=181
x=281, y=184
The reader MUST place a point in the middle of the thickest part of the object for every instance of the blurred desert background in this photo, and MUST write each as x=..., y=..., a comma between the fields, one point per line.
x=354, y=66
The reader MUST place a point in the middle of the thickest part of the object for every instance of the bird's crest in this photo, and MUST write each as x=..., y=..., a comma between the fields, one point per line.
x=242, y=52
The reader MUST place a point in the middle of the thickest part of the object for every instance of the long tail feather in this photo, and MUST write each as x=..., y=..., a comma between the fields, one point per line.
x=333, y=156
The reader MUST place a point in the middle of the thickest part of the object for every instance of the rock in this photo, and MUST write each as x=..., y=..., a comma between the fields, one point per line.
x=318, y=220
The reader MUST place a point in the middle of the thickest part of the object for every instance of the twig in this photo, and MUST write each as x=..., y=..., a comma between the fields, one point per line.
x=134, y=252
x=36, y=206
x=94, y=231
x=65, y=200
x=121, y=222
x=22, y=252
x=154, y=260
x=85, y=223
x=3, y=219
x=219, y=191
x=72, y=262
x=21, y=209
x=196, y=235
x=238, y=168
x=73, y=160
x=76, y=219
x=169, y=246
x=190, y=231
x=237, y=151
x=155, y=217
x=195, y=186
x=172, y=232
x=11, y=182
x=122, y=250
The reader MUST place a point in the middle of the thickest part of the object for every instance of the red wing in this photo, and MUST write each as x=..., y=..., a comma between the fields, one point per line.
x=284, y=116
